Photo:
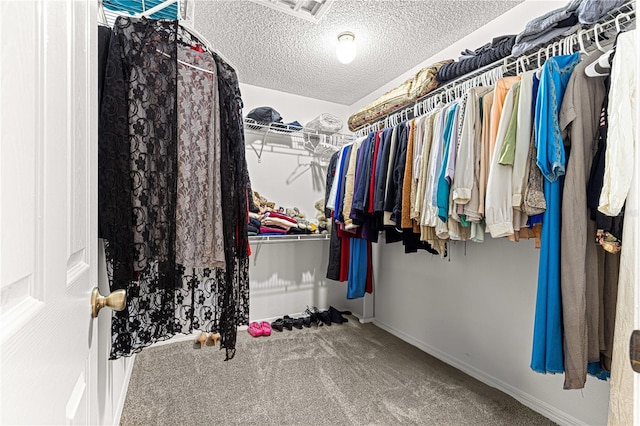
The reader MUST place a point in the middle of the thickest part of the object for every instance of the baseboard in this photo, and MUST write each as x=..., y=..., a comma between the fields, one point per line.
x=117, y=415
x=535, y=404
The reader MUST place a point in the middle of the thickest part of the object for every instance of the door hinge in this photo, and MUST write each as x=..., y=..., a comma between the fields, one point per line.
x=634, y=351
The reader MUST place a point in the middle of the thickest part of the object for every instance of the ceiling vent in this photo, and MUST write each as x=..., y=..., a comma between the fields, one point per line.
x=311, y=10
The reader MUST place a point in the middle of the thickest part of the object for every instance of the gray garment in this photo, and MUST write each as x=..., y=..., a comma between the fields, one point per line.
x=584, y=268
x=548, y=20
x=591, y=11
x=539, y=39
x=199, y=239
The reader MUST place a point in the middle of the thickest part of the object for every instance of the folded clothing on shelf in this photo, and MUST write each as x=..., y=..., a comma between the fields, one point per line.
x=409, y=91
x=325, y=123
x=499, y=48
x=544, y=28
x=592, y=11
x=272, y=230
x=265, y=115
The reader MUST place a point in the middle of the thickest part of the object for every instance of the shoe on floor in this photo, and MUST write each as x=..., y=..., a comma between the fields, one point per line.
x=266, y=328
x=255, y=329
x=288, y=322
x=336, y=315
x=278, y=325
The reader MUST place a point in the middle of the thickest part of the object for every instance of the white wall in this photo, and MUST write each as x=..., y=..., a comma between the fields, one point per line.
x=285, y=277
x=475, y=311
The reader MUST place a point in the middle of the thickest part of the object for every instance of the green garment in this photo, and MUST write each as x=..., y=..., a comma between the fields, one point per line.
x=508, y=151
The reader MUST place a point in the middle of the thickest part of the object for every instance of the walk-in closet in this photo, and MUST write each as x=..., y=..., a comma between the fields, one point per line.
x=339, y=212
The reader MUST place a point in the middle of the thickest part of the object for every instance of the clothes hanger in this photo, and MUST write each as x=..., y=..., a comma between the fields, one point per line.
x=582, y=50
x=618, y=18
x=601, y=66
x=597, y=39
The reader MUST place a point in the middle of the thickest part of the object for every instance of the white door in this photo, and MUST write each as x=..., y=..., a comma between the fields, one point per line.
x=48, y=220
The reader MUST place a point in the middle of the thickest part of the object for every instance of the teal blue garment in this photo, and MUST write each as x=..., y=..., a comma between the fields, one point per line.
x=547, y=355
x=444, y=185
x=357, y=280
x=139, y=6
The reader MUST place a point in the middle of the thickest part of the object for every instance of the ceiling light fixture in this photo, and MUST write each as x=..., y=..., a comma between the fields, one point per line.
x=346, y=50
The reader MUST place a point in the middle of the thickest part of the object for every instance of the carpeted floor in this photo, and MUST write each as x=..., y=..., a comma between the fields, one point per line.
x=350, y=374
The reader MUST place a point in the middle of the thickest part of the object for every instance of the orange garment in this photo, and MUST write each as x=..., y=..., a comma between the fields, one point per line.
x=406, y=221
x=499, y=95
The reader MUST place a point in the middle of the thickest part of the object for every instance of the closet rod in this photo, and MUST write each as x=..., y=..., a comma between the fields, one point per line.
x=487, y=74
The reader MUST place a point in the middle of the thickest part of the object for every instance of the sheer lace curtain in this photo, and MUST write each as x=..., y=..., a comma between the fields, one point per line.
x=172, y=186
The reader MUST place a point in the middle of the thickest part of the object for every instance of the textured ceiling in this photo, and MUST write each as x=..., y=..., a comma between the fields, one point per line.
x=274, y=50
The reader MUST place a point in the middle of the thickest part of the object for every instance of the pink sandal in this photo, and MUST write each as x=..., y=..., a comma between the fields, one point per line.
x=255, y=329
x=266, y=328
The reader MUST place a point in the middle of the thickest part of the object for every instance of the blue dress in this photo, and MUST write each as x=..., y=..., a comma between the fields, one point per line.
x=547, y=354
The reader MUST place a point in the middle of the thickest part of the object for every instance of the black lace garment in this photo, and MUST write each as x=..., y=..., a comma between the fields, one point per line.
x=137, y=168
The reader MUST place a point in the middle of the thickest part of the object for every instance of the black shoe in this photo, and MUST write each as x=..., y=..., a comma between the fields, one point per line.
x=288, y=322
x=306, y=321
x=324, y=316
x=336, y=315
x=278, y=324
x=298, y=323
x=313, y=318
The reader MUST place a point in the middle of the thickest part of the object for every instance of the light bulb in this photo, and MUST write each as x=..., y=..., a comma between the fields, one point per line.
x=346, y=50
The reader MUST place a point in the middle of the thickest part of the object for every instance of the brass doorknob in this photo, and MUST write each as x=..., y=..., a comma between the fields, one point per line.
x=116, y=301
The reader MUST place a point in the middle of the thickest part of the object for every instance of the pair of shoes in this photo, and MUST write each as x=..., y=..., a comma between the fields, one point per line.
x=257, y=329
x=336, y=315
x=206, y=340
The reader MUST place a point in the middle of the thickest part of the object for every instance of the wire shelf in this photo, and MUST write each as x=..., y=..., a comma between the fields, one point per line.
x=292, y=139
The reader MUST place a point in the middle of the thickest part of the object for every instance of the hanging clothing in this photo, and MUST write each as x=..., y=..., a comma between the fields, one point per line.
x=622, y=126
x=498, y=205
x=199, y=237
x=350, y=183
x=485, y=149
x=138, y=248
x=423, y=169
x=442, y=188
x=582, y=262
x=141, y=157
x=357, y=281
x=499, y=95
x=331, y=200
x=468, y=161
x=333, y=265
x=547, y=336
x=523, y=138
